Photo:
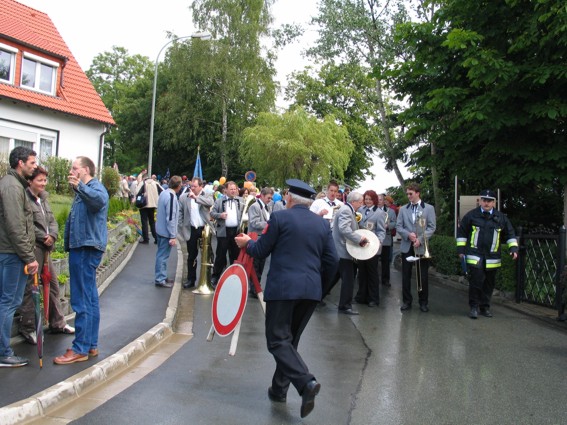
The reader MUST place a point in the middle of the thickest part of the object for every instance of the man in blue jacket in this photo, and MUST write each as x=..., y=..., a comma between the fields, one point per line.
x=85, y=240
x=303, y=256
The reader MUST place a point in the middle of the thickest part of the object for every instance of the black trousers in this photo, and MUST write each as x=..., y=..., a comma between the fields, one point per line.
x=407, y=267
x=224, y=245
x=285, y=322
x=481, y=285
x=193, y=252
x=368, y=281
x=346, y=270
x=147, y=216
x=385, y=263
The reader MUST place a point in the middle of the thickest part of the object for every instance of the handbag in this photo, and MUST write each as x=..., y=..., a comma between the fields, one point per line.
x=141, y=200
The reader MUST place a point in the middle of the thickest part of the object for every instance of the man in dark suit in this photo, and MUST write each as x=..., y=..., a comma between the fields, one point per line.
x=415, y=224
x=303, y=256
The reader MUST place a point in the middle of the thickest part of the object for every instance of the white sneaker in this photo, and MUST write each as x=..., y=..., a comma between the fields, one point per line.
x=68, y=329
x=31, y=337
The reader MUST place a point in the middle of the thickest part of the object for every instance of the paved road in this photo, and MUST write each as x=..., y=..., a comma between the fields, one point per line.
x=129, y=307
x=382, y=367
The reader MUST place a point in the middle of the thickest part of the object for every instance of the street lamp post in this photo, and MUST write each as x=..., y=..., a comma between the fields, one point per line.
x=197, y=35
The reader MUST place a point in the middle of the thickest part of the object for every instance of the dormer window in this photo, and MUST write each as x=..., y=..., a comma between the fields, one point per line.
x=7, y=63
x=39, y=73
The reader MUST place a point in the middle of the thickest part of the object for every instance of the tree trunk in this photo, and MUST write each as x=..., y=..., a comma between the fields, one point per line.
x=223, y=149
x=435, y=181
x=387, y=138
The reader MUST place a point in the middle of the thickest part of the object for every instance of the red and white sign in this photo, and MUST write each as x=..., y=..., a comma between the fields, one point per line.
x=230, y=299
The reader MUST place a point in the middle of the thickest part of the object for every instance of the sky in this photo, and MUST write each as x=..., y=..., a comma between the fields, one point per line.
x=142, y=28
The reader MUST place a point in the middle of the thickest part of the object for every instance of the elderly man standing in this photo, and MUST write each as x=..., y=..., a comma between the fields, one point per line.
x=17, y=242
x=303, y=255
x=194, y=214
x=85, y=240
x=344, y=227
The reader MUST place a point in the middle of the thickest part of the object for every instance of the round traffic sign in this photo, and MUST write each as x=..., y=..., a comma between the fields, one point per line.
x=230, y=299
x=250, y=176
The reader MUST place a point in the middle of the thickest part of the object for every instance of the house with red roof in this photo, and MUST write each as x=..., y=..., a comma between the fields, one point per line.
x=46, y=101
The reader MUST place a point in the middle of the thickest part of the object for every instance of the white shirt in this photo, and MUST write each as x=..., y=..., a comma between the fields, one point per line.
x=196, y=220
x=230, y=207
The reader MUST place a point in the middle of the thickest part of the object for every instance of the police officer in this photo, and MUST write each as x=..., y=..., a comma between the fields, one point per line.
x=302, y=256
x=478, y=240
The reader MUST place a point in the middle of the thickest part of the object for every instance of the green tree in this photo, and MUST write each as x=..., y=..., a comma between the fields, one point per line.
x=348, y=93
x=490, y=89
x=217, y=88
x=124, y=83
x=298, y=146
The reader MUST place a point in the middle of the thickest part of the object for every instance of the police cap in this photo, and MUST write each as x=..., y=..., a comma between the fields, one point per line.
x=487, y=194
x=300, y=188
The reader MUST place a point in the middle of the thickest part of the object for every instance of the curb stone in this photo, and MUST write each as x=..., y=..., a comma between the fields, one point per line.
x=48, y=400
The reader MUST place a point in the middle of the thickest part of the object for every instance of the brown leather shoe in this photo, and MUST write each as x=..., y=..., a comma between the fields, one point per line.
x=93, y=352
x=70, y=357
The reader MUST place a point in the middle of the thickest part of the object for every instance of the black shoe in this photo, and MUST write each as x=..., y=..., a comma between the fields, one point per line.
x=373, y=304
x=164, y=284
x=144, y=241
x=252, y=294
x=275, y=397
x=310, y=390
x=155, y=241
x=424, y=308
x=349, y=312
x=189, y=284
x=13, y=361
x=386, y=283
x=322, y=303
x=485, y=312
x=405, y=307
x=473, y=314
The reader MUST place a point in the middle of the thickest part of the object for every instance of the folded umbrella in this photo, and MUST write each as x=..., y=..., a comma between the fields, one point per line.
x=45, y=280
x=38, y=319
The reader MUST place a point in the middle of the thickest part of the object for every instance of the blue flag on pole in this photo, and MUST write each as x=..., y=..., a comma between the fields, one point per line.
x=198, y=170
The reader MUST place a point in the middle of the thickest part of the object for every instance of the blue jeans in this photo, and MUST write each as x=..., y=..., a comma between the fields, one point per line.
x=84, y=297
x=162, y=255
x=12, y=285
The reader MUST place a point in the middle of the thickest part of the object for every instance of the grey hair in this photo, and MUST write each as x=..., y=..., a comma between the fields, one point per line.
x=354, y=196
x=300, y=199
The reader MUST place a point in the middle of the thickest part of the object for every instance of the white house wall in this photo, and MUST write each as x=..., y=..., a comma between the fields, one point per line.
x=74, y=136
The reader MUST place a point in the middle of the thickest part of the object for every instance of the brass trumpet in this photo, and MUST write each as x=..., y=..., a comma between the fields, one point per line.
x=204, y=286
x=420, y=224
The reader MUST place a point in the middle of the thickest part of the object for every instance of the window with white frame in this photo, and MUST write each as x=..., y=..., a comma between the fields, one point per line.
x=4, y=146
x=45, y=148
x=7, y=63
x=39, y=73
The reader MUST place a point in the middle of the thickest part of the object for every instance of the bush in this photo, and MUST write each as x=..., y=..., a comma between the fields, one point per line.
x=58, y=169
x=506, y=276
x=117, y=205
x=443, y=250
x=111, y=180
x=4, y=164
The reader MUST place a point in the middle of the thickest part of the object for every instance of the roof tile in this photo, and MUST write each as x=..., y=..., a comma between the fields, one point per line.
x=34, y=29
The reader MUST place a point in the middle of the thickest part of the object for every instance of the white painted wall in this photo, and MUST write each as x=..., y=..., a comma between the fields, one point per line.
x=74, y=136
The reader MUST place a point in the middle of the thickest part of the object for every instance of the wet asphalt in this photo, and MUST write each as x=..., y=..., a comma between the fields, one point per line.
x=381, y=367
x=129, y=307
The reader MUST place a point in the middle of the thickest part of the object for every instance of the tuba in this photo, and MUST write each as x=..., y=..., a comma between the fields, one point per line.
x=204, y=286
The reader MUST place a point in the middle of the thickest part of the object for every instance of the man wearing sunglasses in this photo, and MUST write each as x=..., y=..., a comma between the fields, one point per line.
x=479, y=237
